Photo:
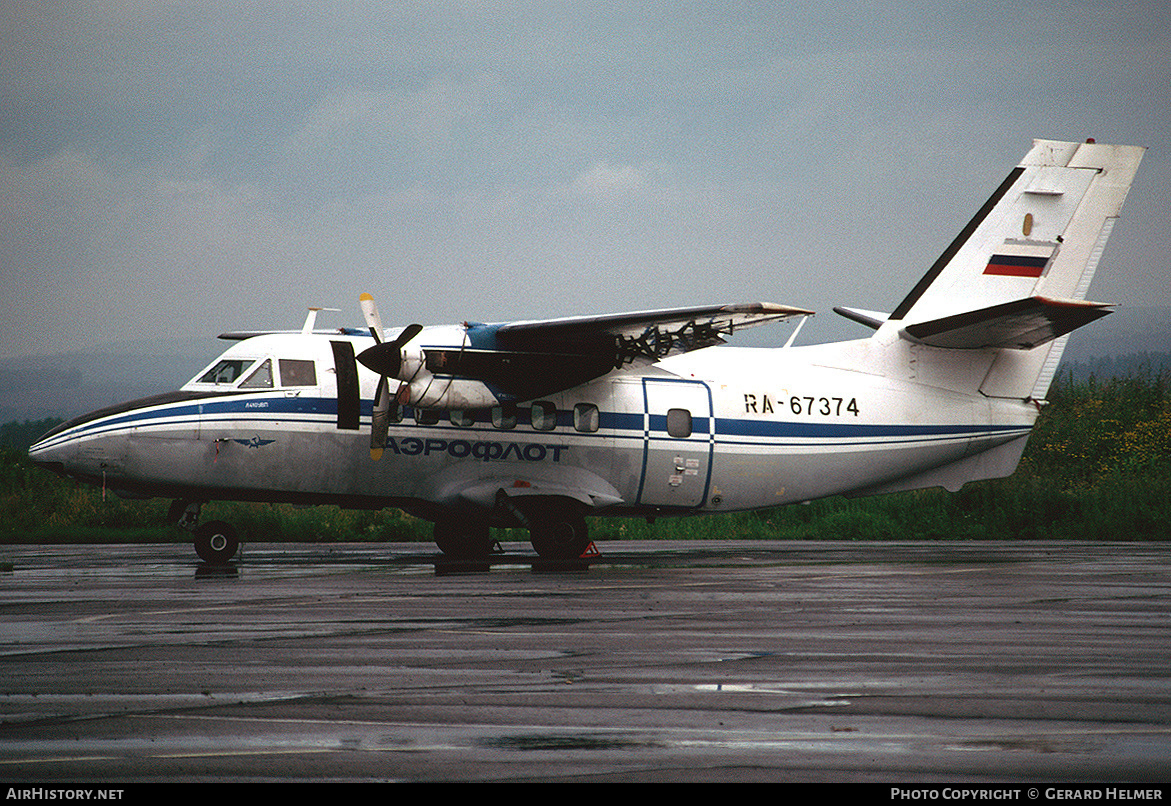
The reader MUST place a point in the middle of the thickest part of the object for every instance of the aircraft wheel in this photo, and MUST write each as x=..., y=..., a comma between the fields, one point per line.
x=216, y=542
x=560, y=538
x=463, y=541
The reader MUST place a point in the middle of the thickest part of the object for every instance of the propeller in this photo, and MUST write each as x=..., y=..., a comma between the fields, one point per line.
x=385, y=358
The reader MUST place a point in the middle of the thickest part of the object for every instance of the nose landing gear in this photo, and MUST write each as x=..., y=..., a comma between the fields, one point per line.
x=216, y=542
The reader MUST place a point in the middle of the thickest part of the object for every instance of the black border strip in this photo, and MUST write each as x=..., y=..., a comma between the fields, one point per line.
x=934, y=272
x=140, y=403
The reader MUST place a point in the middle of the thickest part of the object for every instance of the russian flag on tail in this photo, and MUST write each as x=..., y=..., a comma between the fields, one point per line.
x=1021, y=259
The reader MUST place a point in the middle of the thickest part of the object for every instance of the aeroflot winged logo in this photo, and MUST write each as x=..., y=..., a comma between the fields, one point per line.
x=255, y=442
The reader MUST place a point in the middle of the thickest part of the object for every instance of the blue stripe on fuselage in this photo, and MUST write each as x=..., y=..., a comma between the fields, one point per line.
x=221, y=410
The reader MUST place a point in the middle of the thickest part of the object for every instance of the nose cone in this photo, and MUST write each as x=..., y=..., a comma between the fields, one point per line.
x=51, y=453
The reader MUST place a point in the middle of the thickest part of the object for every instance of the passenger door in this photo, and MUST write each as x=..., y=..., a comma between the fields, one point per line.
x=677, y=443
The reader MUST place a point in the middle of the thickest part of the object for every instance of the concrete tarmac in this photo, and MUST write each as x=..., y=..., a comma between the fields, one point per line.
x=661, y=661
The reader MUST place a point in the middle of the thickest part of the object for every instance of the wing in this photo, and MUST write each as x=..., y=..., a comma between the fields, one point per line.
x=643, y=334
x=524, y=360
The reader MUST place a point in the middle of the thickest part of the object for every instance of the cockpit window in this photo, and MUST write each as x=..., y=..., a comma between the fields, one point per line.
x=226, y=371
x=297, y=372
x=261, y=378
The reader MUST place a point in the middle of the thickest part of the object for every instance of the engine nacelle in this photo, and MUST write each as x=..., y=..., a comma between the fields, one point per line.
x=430, y=392
x=426, y=384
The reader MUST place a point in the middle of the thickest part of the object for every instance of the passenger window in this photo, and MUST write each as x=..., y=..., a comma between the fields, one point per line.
x=679, y=423
x=462, y=419
x=297, y=372
x=504, y=417
x=544, y=416
x=261, y=378
x=585, y=417
x=426, y=416
x=226, y=371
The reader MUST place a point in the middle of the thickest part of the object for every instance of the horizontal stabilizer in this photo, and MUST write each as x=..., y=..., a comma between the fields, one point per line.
x=872, y=319
x=1019, y=325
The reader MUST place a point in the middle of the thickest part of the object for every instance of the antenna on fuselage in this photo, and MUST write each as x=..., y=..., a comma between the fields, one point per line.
x=311, y=319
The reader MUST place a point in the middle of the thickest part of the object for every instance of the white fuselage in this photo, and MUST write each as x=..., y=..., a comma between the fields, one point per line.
x=714, y=430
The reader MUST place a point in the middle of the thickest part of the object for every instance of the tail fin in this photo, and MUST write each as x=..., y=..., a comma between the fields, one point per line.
x=1016, y=277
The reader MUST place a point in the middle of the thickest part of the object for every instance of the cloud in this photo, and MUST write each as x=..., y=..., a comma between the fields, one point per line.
x=605, y=181
x=195, y=167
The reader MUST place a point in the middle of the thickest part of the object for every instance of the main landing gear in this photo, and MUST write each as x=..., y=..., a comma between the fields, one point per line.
x=556, y=532
x=559, y=537
x=463, y=541
x=216, y=542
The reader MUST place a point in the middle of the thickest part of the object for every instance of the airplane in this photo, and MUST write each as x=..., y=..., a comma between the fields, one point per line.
x=540, y=424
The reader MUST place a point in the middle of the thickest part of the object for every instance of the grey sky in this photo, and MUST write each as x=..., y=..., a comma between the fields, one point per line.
x=182, y=169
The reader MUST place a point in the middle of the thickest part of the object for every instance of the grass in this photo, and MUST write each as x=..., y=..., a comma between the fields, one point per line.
x=1098, y=466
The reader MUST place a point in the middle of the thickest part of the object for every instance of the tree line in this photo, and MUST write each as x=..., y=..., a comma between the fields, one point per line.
x=1097, y=466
